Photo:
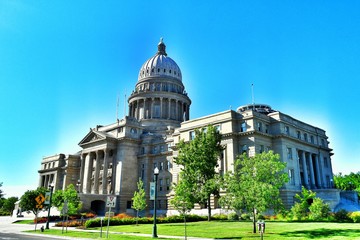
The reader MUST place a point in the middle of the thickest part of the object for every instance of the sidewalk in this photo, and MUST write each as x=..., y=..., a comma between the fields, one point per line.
x=7, y=226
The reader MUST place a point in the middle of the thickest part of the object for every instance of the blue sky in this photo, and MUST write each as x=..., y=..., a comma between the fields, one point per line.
x=64, y=63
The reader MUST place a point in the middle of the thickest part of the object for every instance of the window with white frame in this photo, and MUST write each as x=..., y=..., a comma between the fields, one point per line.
x=291, y=176
x=287, y=130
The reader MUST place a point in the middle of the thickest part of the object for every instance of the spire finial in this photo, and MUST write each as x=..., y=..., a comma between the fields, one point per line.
x=161, y=47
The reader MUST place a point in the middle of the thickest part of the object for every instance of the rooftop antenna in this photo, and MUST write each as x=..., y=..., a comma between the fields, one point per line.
x=252, y=95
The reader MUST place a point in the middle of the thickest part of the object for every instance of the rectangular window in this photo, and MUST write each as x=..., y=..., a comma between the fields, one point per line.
x=192, y=135
x=259, y=126
x=161, y=166
x=291, y=177
x=266, y=128
x=168, y=165
x=156, y=111
x=167, y=184
x=217, y=128
x=128, y=204
x=155, y=149
x=243, y=127
x=162, y=148
x=261, y=148
x=160, y=184
x=289, y=153
x=287, y=130
x=323, y=142
x=298, y=134
x=159, y=204
x=312, y=139
x=305, y=137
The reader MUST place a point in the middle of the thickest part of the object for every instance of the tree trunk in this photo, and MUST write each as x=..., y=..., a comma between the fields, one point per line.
x=254, y=223
x=209, y=209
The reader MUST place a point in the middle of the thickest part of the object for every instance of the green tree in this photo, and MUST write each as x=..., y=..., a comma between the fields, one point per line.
x=198, y=159
x=9, y=204
x=255, y=184
x=139, y=199
x=183, y=201
x=28, y=202
x=350, y=182
x=71, y=196
x=1, y=191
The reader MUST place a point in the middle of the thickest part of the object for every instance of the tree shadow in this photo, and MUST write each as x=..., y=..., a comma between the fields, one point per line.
x=322, y=232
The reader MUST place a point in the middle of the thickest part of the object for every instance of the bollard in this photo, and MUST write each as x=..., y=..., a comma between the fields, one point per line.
x=261, y=228
x=42, y=229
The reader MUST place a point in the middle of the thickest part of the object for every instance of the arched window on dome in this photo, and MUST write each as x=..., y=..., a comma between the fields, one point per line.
x=152, y=70
x=164, y=70
x=170, y=71
x=175, y=72
x=158, y=69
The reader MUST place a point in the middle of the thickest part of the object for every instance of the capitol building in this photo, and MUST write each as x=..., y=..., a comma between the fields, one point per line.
x=113, y=157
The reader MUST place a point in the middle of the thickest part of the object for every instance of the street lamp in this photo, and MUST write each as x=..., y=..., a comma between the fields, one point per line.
x=78, y=185
x=51, y=187
x=156, y=173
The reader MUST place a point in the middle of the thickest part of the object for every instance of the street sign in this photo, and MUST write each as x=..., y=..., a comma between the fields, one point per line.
x=47, y=198
x=110, y=201
x=39, y=200
x=152, y=190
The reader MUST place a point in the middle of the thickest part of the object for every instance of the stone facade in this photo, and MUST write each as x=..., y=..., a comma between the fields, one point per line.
x=115, y=156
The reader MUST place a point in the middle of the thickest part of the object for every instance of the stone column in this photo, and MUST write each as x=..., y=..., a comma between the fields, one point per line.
x=312, y=178
x=137, y=109
x=97, y=171
x=318, y=176
x=145, y=113
x=152, y=107
x=161, y=107
x=306, y=176
x=113, y=176
x=87, y=174
x=105, y=170
x=177, y=110
x=169, y=110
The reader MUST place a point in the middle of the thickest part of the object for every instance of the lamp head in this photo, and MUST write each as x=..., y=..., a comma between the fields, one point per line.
x=156, y=171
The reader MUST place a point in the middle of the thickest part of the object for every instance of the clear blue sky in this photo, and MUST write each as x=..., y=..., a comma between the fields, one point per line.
x=63, y=64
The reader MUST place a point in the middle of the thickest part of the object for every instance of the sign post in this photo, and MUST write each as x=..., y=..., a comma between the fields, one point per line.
x=39, y=200
x=110, y=202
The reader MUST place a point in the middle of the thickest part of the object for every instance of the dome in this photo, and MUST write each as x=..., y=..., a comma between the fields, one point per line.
x=160, y=65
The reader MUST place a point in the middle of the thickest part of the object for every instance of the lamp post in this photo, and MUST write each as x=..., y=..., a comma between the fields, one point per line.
x=156, y=173
x=51, y=187
x=78, y=185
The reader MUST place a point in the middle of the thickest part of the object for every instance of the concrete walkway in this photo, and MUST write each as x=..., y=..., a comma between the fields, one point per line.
x=7, y=226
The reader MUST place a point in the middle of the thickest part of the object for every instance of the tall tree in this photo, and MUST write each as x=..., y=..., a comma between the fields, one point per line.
x=139, y=200
x=71, y=196
x=255, y=183
x=28, y=202
x=198, y=159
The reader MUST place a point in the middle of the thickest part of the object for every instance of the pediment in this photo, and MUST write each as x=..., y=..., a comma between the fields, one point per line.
x=92, y=136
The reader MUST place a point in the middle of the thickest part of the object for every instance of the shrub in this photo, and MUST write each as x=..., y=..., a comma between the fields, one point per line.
x=245, y=216
x=233, y=217
x=355, y=216
x=319, y=210
x=220, y=216
x=74, y=223
x=342, y=216
x=260, y=217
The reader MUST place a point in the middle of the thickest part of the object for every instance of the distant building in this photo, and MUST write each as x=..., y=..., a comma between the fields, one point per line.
x=115, y=156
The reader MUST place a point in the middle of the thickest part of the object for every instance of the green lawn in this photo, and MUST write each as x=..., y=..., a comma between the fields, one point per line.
x=232, y=230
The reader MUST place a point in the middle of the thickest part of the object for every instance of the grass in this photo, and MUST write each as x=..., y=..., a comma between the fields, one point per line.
x=230, y=230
